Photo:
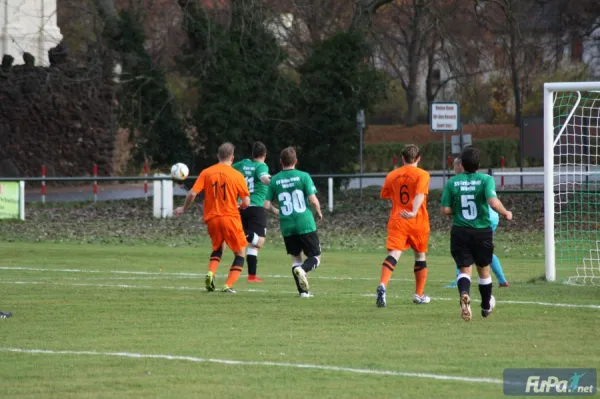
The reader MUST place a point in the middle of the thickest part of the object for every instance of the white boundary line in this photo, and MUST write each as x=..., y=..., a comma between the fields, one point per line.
x=258, y=363
x=183, y=288
x=184, y=275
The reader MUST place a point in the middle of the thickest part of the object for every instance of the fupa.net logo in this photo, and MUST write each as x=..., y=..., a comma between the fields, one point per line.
x=550, y=382
x=553, y=384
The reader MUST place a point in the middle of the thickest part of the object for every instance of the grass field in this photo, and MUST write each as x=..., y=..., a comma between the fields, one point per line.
x=134, y=321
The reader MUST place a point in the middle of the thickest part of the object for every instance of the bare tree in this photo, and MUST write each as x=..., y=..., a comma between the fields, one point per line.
x=411, y=35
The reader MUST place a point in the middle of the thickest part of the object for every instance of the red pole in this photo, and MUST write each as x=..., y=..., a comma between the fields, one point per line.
x=449, y=161
x=95, y=172
x=502, y=169
x=146, y=170
x=395, y=161
x=43, y=184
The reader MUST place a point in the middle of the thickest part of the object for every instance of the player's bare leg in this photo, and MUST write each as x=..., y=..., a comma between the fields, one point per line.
x=488, y=302
x=420, y=270
x=463, y=282
x=389, y=264
x=254, y=244
x=300, y=276
x=235, y=271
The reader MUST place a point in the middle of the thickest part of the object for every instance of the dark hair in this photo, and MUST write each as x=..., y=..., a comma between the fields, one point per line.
x=470, y=159
x=259, y=150
x=411, y=153
x=288, y=156
x=225, y=151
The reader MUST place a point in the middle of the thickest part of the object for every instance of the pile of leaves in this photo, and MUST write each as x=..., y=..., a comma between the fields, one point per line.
x=354, y=223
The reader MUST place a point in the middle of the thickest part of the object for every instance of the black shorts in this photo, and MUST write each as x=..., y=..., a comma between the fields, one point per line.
x=472, y=246
x=307, y=243
x=254, y=219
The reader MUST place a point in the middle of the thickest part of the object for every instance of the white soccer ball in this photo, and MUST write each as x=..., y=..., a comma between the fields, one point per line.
x=180, y=171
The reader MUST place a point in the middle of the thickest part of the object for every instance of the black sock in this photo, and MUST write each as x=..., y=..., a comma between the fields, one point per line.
x=464, y=284
x=300, y=290
x=310, y=264
x=252, y=261
x=485, y=289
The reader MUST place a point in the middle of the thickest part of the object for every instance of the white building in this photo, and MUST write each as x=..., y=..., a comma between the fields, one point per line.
x=28, y=26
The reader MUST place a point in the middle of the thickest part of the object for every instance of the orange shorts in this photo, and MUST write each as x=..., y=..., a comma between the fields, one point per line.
x=227, y=230
x=401, y=241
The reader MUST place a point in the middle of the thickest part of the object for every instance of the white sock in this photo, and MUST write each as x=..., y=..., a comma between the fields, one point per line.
x=252, y=251
x=485, y=281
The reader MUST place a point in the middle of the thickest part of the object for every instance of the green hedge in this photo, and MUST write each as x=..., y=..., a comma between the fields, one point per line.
x=378, y=157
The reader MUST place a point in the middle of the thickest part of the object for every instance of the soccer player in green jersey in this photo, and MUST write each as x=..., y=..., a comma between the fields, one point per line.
x=295, y=192
x=254, y=218
x=466, y=198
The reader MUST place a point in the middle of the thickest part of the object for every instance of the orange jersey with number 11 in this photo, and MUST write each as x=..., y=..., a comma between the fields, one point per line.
x=222, y=186
x=401, y=186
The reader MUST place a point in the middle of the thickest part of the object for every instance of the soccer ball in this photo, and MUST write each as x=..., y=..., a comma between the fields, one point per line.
x=179, y=171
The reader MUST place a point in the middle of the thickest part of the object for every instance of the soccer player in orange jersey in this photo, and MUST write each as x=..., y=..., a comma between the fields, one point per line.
x=222, y=186
x=408, y=225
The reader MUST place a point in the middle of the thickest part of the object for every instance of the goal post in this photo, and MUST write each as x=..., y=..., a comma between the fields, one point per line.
x=572, y=182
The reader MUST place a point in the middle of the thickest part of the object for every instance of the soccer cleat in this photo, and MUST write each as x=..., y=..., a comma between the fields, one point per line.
x=229, y=290
x=209, y=281
x=381, y=302
x=306, y=295
x=504, y=284
x=465, y=306
x=254, y=279
x=302, y=281
x=5, y=315
x=451, y=285
x=420, y=300
x=486, y=313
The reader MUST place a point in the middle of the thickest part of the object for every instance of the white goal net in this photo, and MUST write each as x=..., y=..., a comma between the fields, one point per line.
x=572, y=181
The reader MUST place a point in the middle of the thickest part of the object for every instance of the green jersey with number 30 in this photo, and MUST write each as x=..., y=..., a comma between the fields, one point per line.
x=253, y=172
x=467, y=194
x=292, y=188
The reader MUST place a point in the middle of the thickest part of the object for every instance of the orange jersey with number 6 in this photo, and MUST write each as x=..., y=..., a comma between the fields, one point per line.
x=222, y=186
x=401, y=186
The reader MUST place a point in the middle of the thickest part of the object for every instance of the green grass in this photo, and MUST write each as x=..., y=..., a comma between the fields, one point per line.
x=165, y=311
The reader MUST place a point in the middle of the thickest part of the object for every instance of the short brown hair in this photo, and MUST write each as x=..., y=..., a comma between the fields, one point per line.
x=470, y=158
x=288, y=156
x=411, y=153
x=225, y=151
x=259, y=150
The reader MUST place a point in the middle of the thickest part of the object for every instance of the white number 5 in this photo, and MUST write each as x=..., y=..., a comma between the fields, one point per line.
x=469, y=209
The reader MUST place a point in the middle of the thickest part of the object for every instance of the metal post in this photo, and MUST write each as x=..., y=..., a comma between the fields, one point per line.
x=43, y=184
x=360, y=121
x=521, y=149
x=95, y=173
x=444, y=159
x=146, y=169
x=330, y=194
x=361, y=162
x=462, y=140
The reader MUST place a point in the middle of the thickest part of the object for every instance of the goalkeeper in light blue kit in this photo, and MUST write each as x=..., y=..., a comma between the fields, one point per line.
x=494, y=219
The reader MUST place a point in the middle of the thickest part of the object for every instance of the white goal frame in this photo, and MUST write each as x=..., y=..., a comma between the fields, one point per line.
x=549, y=142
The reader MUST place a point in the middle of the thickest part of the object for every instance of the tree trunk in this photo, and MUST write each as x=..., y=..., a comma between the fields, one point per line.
x=514, y=70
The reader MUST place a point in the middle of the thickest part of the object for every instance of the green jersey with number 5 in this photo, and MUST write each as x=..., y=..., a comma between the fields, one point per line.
x=292, y=188
x=467, y=194
x=253, y=172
